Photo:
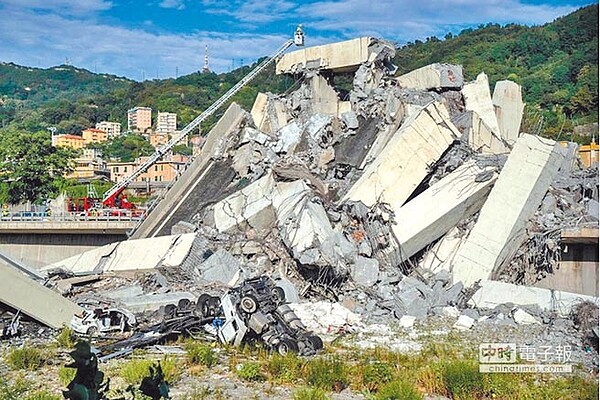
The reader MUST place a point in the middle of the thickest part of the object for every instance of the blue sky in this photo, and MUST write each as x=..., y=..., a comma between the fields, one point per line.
x=157, y=38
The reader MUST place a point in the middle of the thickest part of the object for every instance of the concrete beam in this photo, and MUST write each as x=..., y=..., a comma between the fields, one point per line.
x=434, y=212
x=406, y=159
x=433, y=76
x=518, y=192
x=216, y=141
x=35, y=300
x=481, y=137
x=493, y=293
x=337, y=57
x=478, y=99
x=508, y=106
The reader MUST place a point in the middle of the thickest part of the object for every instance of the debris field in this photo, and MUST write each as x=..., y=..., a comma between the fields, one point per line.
x=386, y=201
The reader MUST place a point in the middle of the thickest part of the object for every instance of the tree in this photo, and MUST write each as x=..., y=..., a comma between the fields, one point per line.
x=31, y=169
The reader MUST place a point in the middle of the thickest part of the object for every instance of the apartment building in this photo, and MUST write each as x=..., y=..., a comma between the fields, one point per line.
x=113, y=129
x=89, y=166
x=139, y=119
x=166, y=122
x=93, y=135
x=162, y=171
x=158, y=139
x=73, y=141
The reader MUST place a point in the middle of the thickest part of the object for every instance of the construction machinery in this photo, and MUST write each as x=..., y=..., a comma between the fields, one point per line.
x=116, y=204
x=117, y=189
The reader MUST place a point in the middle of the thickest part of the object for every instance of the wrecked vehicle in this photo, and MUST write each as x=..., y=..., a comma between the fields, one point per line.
x=256, y=310
x=92, y=322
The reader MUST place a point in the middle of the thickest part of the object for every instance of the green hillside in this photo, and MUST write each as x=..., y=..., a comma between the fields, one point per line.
x=557, y=64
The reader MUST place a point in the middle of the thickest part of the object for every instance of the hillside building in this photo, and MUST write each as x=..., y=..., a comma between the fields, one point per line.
x=166, y=122
x=93, y=135
x=67, y=140
x=113, y=129
x=139, y=119
x=89, y=166
x=162, y=171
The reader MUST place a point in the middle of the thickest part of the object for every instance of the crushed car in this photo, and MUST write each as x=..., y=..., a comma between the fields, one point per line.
x=103, y=320
x=257, y=310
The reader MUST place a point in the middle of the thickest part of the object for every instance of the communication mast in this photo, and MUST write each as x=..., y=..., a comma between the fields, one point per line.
x=205, y=69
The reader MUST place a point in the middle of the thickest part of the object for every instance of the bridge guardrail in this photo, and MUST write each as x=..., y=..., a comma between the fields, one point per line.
x=66, y=217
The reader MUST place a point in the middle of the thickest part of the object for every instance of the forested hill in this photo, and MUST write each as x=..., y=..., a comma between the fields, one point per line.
x=557, y=64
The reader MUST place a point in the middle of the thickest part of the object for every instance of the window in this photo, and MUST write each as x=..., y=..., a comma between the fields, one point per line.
x=125, y=169
x=116, y=170
x=155, y=168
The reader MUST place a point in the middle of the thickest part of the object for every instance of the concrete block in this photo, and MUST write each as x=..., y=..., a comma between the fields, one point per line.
x=365, y=271
x=523, y=318
x=494, y=293
x=407, y=321
x=433, y=76
x=250, y=206
x=289, y=137
x=259, y=110
x=405, y=161
x=438, y=209
x=220, y=267
x=337, y=57
x=441, y=255
x=518, y=192
x=481, y=137
x=508, y=106
x=35, y=300
x=291, y=293
x=464, y=323
x=350, y=120
x=478, y=99
x=450, y=311
x=324, y=97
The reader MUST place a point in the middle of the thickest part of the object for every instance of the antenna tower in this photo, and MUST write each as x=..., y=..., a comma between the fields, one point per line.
x=205, y=69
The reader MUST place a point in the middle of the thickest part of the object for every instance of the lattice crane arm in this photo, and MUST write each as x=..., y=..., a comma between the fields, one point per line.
x=117, y=189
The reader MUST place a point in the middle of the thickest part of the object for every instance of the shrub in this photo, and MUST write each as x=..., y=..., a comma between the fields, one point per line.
x=328, y=374
x=250, y=371
x=310, y=394
x=463, y=379
x=134, y=371
x=285, y=369
x=399, y=389
x=66, y=338
x=29, y=358
x=375, y=375
x=14, y=391
x=43, y=395
x=198, y=353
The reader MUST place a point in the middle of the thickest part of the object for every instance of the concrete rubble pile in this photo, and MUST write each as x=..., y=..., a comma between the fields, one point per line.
x=398, y=197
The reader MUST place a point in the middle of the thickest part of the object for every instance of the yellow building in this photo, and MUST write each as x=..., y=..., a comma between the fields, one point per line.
x=89, y=166
x=73, y=141
x=93, y=135
x=158, y=139
x=162, y=171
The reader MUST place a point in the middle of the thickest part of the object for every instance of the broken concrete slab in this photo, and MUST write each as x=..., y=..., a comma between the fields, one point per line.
x=500, y=228
x=508, y=105
x=523, y=318
x=141, y=254
x=494, y=293
x=324, y=97
x=338, y=57
x=434, y=212
x=434, y=76
x=222, y=267
x=35, y=300
x=405, y=161
x=464, y=323
x=480, y=136
x=478, y=99
x=365, y=271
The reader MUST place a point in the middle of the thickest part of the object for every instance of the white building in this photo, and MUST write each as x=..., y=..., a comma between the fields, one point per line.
x=166, y=122
x=113, y=129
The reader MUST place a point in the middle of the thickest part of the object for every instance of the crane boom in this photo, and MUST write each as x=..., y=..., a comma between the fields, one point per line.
x=161, y=151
